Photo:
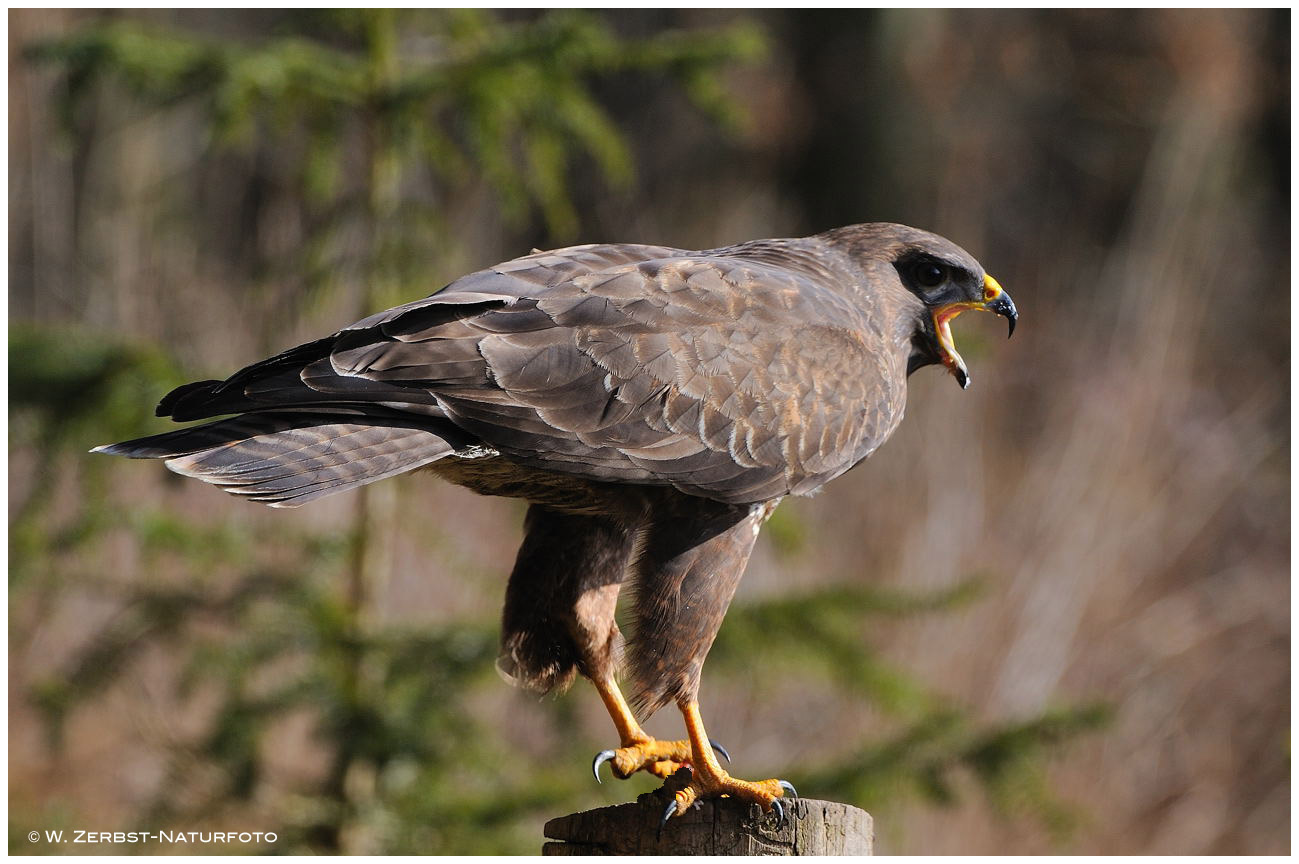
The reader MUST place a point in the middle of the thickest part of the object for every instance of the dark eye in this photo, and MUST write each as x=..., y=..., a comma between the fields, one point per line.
x=930, y=275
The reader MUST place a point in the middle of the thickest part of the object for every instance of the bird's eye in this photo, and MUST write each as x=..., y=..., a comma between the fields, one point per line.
x=930, y=275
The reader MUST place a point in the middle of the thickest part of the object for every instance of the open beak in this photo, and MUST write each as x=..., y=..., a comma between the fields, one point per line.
x=995, y=299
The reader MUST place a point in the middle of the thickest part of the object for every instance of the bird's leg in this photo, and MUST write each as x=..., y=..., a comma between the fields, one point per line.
x=710, y=779
x=639, y=750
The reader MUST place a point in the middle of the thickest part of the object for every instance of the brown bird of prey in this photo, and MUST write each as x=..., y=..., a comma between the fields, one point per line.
x=653, y=405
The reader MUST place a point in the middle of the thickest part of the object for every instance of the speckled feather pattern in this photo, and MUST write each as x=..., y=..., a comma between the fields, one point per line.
x=720, y=374
x=652, y=403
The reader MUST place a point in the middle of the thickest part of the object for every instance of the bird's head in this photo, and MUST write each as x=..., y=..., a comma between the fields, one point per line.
x=948, y=284
x=943, y=277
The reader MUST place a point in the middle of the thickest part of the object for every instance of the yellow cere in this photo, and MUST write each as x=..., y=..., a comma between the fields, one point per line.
x=991, y=288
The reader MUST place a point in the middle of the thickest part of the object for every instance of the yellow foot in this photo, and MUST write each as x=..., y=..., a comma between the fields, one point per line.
x=716, y=783
x=709, y=780
x=660, y=758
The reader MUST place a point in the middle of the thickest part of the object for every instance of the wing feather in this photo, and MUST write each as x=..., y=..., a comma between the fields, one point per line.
x=721, y=373
x=738, y=374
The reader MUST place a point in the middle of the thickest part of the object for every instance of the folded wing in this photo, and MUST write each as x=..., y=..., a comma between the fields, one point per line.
x=735, y=374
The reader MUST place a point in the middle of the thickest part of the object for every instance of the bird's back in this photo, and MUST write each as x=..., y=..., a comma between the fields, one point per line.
x=739, y=374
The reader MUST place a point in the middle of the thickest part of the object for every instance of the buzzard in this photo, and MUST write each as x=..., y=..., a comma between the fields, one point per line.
x=653, y=405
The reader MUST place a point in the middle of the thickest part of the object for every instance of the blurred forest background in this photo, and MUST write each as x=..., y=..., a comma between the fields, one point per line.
x=1053, y=616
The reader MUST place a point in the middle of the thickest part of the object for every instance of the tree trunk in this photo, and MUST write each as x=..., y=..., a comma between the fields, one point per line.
x=723, y=826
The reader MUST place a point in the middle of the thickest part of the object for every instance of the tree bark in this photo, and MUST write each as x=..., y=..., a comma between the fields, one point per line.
x=724, y=826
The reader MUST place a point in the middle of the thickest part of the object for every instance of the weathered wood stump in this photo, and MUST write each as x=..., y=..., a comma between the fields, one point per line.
x=723, y=826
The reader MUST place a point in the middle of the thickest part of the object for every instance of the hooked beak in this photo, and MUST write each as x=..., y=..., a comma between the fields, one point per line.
x=995, y=299
x=998, y=301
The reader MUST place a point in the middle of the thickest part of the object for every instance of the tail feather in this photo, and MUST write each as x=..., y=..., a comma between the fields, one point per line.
x=288, y=459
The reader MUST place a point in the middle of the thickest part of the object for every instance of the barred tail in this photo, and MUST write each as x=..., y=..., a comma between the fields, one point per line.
x=287, y=459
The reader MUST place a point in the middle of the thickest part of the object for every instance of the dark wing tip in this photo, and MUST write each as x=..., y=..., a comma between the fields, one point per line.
x=167, y=407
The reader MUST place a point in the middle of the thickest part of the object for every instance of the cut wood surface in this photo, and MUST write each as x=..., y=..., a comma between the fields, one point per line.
x=723, y=826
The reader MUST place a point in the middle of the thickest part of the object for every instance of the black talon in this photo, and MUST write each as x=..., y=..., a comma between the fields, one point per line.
x=667, y=814
x=780, y=812
x=600, y=758
x=720, y=750
x=789, y=787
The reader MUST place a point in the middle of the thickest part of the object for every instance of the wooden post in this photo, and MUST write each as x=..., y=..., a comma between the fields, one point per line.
x=723, y=826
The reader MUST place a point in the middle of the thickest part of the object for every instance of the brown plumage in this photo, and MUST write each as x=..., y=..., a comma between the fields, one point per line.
x=652, y=404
